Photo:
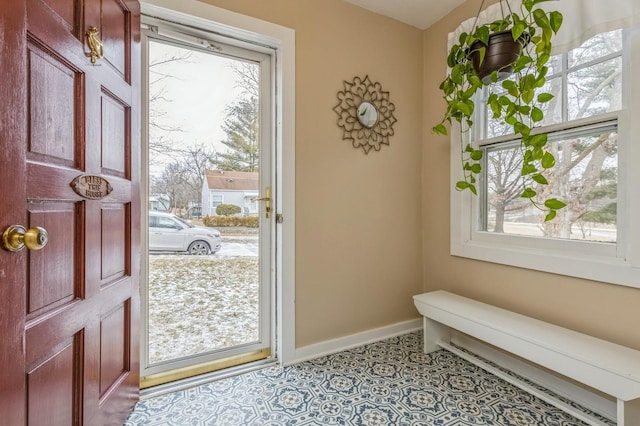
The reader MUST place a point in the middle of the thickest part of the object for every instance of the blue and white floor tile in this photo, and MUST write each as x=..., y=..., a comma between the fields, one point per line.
x=385, y=383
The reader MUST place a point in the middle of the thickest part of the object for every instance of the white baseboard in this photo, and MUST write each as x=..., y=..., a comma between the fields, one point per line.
x=559, y=386
x=354, y=340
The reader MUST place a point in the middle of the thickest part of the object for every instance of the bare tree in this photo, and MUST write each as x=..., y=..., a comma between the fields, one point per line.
x=576, y=176
x=184, y=162
x=196, y=160
x=581, y=162
x=162, y=132
x=172, y=182
x=504, y=182
x=182, y=179
x=249, y=75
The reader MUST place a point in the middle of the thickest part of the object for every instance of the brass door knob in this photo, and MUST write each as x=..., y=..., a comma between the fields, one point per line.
x=16, y=237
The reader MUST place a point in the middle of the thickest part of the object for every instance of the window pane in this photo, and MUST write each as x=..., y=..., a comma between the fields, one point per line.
x=595, y=90
x=554, y=64
x=495, y=127
x=585, y=178
x=504, y=187
x=596, y=47
x=552, y=109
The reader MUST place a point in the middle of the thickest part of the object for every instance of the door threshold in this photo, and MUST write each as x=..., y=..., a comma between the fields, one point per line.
x=177, y=380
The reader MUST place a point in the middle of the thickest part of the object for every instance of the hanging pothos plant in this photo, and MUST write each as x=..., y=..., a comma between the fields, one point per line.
x=517, y=46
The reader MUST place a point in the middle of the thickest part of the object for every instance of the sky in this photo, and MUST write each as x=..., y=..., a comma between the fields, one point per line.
x=197, y=94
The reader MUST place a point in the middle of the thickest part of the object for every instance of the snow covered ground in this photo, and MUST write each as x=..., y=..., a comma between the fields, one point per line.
x=239, y=246
x=202, y=303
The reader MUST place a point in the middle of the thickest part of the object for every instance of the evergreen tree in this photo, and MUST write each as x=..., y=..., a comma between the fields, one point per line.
x=241, y=128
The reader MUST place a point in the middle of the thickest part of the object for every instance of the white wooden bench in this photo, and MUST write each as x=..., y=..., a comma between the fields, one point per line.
x=610, y=368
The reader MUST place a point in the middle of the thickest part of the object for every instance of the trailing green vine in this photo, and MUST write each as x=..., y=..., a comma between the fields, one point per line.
x=520, y=104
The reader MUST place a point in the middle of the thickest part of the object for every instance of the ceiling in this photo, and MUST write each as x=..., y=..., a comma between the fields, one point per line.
x=419, y=13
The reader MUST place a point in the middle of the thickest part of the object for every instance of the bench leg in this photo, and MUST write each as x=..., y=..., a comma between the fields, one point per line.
x=629, y=413
x=434, y=332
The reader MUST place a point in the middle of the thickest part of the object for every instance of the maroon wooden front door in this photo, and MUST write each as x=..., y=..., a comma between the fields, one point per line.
x=69, y=312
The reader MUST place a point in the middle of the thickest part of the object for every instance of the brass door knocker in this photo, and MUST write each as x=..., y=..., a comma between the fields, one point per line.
x=95, y=45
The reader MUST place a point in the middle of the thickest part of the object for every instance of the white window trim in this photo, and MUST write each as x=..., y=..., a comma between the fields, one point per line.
x=615, y=264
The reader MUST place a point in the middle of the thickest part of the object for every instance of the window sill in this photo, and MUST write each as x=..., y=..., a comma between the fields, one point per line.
x=592, y=267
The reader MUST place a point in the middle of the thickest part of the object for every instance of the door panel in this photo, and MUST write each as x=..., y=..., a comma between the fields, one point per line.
x=115, y=119
x=71, y=314
x=67, y=10
x=114, y=29
x=114, y=356
x=52, y=279
x=114, y=243
x=56, y=372
x=52, y=107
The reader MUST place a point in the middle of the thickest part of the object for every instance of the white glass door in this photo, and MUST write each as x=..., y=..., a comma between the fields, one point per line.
x=208, y=300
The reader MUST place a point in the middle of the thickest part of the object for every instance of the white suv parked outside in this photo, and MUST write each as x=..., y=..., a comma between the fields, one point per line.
x=168, y=232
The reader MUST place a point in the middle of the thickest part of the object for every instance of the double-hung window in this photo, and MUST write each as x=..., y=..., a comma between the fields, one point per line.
x=216, y=200
x=593, y=127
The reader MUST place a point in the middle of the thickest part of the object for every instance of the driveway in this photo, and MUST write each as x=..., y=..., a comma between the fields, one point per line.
x=244, y=246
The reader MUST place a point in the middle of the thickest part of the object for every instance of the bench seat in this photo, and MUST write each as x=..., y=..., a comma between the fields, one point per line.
x=602, y=365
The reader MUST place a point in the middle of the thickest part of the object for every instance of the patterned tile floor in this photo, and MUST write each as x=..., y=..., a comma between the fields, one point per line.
x=385, y=383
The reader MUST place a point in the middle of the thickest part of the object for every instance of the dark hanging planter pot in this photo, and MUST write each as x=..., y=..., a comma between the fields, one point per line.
x=500, y=55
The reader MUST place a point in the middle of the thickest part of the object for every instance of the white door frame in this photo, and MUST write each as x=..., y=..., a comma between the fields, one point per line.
x=249, y=31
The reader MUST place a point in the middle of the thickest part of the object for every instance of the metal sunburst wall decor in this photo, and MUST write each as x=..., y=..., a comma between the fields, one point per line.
x=365, y=114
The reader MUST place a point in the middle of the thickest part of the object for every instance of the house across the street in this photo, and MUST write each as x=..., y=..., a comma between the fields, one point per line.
x=222, y=187
x=159, y=203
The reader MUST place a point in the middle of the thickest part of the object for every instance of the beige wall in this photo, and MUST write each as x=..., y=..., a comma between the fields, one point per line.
x=358, y=232
x=602, y=310
x=363, y=239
